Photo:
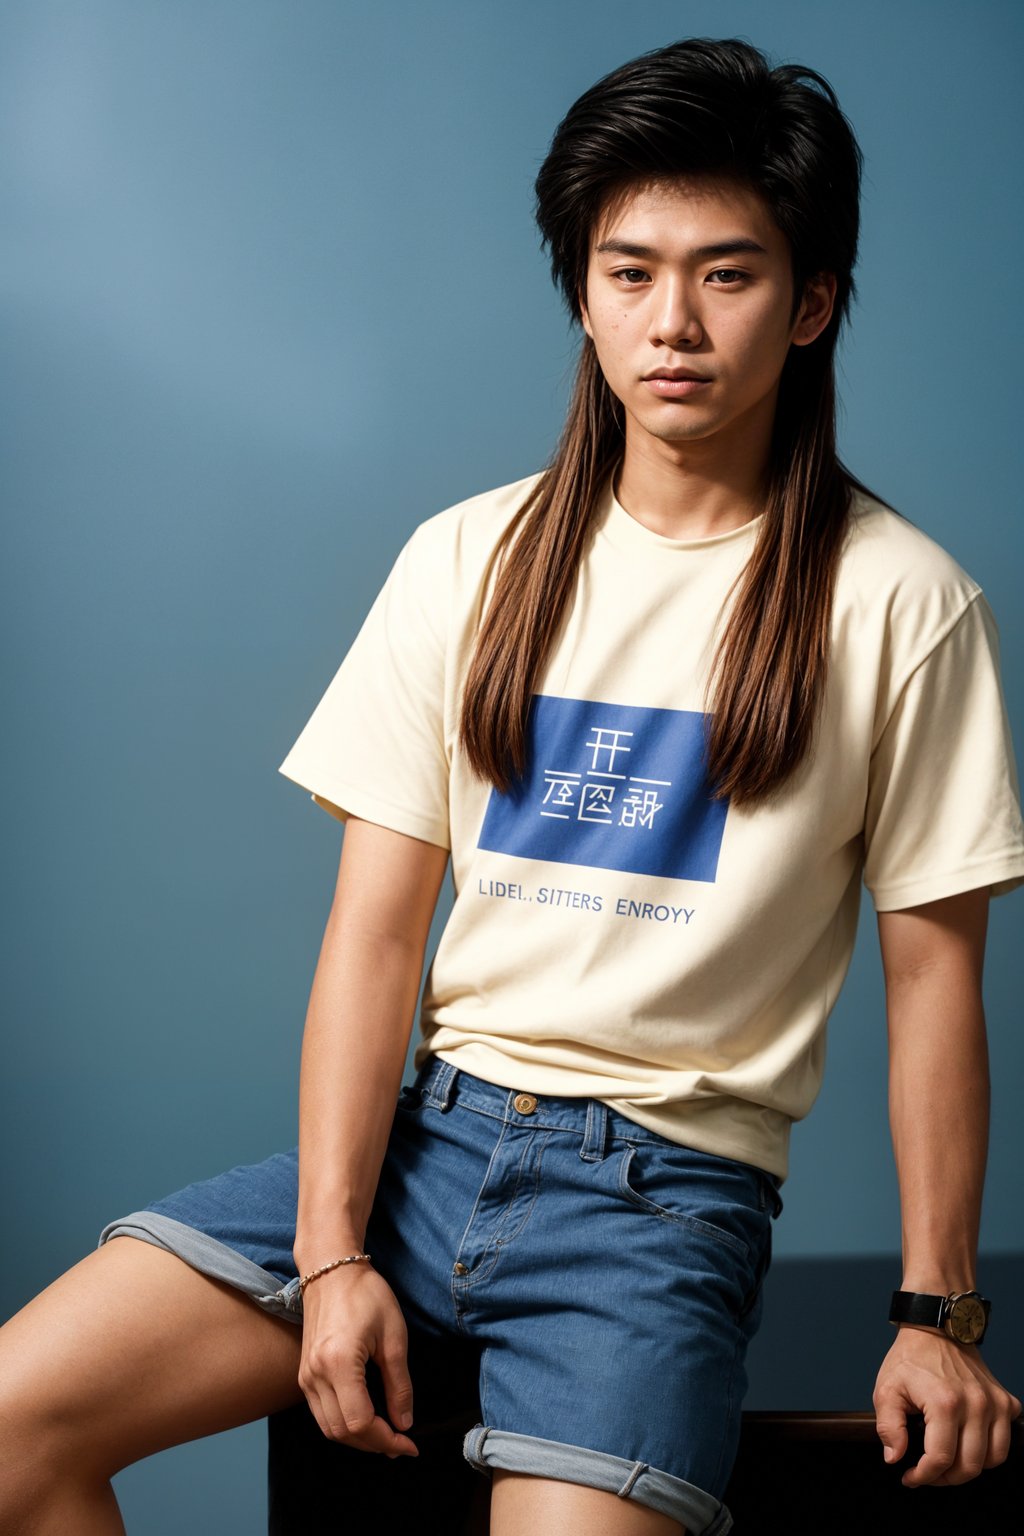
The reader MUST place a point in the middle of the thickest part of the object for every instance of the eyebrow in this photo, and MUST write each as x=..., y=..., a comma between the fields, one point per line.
x=740, y=246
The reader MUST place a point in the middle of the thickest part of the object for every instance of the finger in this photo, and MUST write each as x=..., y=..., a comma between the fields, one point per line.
x=394, y=1371
x=382, y=1438
x=327, y=1413
x=972, y=1447
x=999, y=1434
x=941, y=1434
x=366, y=1429
x=891, y=1427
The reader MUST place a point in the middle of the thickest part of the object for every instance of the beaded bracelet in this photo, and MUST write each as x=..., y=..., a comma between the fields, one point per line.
x=326, y=1269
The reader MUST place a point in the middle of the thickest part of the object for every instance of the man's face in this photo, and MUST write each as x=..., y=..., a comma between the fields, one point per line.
x=694, y=278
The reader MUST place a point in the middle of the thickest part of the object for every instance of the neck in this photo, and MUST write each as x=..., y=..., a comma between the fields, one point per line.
x=696, y=489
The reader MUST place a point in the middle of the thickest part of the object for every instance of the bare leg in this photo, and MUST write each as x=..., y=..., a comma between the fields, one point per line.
x=522, y=1503
x=127, y=1353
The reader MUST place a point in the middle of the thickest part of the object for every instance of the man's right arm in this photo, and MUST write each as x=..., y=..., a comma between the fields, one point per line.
x=358, y=1027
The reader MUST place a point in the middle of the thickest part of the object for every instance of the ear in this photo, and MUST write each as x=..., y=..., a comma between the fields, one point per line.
x=816, y=308
x=584, y=313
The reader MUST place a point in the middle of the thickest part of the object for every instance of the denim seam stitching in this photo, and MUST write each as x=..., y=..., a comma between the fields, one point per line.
x=531, y=1147
x=731, y=1392
x=694, y=1223
x=457, y=1293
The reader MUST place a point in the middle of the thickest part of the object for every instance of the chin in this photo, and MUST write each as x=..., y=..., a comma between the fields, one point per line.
x=680, y=431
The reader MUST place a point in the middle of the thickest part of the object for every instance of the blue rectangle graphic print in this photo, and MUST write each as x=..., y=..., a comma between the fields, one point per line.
x=611, y=786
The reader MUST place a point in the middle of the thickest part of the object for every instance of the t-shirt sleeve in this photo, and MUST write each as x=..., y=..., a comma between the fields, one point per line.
x=943, y=810
x=374, y=747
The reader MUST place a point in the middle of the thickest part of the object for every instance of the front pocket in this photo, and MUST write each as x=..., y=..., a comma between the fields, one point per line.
x=410, y=1098
x=679, y=1185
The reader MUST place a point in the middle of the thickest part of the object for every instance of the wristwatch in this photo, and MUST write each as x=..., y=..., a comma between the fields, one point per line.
x=962, y=1315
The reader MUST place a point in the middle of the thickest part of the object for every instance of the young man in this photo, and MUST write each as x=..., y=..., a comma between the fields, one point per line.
x=665, y=705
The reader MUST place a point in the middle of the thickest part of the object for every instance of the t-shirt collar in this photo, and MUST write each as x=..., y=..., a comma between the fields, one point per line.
x=627, y=533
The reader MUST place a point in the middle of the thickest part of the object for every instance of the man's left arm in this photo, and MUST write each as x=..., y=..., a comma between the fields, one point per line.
x=932, y=956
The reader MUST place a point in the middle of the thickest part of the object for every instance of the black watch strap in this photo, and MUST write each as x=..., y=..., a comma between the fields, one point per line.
x=917, y=1307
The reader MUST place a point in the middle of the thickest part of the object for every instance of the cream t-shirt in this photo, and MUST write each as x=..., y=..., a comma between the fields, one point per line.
x=616, y=933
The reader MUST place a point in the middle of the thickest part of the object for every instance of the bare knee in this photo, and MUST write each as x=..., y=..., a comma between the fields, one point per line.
x=43, y=1490
x=45, y=1444
x=39, y=1467
x=127, y=1353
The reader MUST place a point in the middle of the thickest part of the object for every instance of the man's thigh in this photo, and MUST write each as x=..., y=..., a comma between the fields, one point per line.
x=521, y=1504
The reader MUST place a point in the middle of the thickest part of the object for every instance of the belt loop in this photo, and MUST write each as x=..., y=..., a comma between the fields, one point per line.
x=440, y=1091
x=595, y=1135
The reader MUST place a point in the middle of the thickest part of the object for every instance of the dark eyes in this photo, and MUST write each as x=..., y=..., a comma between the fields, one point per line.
x=724, y=277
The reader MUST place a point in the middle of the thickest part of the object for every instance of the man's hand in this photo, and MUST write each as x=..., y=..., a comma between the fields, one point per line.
x=967, y=1414
x=351, y=1316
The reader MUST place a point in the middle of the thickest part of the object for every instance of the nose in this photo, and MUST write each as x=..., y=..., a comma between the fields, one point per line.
x=674, y=319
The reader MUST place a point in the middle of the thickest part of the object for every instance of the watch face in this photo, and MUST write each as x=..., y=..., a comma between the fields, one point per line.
x=966, y=1320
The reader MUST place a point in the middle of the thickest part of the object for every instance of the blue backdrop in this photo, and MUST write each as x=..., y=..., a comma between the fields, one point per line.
x=272, y=296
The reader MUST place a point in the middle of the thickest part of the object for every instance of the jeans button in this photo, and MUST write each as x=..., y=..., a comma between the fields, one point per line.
x=525, y=1103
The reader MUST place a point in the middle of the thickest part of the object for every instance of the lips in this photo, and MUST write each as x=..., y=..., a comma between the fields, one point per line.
x=675, y=383
x=676, y=374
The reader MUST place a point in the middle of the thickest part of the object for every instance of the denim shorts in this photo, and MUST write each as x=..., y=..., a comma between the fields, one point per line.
x=608, y=1279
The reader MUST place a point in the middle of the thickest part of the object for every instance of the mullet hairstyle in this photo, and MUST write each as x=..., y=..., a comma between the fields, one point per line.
x=706, y=108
